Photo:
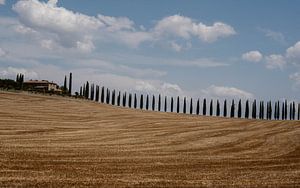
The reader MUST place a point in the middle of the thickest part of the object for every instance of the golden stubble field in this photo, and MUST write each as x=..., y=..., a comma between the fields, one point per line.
x=61, y=142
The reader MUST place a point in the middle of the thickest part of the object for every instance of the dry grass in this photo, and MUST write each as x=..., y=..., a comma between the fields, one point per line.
x=57, y=142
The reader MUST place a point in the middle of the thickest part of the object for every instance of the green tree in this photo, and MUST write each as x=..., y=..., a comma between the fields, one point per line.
x=141, y=102
x=165, y=103
x=178, y=105
x=204, y=107
x=225, y=108
x=147, y=102
x=232, y=109
x=172, y=104
x=211, y=109
x=184, y=105
x=247, y=110
x=240, y=109
x=191, y=106
x=218, y=108
x=153, y=103
x=198, y=107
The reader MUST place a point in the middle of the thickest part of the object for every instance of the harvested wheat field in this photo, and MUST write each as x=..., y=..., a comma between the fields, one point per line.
x=61, y=142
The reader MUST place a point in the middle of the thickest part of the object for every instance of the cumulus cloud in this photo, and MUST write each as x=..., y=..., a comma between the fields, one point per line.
x=185, y=27
x=296, y=78
x=2, y=2
x=158, y=87
x=252, y=56
x=226, y=92
x=274, y=35
x=293, y=53
x=11, y=72
x=275, y=61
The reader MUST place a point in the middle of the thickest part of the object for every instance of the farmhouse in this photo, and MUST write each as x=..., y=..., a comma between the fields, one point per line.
x=41, y=86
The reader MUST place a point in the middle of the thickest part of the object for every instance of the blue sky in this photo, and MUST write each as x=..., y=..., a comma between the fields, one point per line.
x=215, y=49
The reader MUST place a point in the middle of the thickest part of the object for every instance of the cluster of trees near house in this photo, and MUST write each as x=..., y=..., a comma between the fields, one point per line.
x=270, y=110
x=13, y=84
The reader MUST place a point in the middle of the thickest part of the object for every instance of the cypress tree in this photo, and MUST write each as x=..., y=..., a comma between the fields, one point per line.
x=204, y=107
x=218, y=108
x=119, y=99
x=141, y=102
x=294, y=111
x=107, y=96
x=18, y=78
x=198, y=107
x=92, y=92
x=165, y=103
x=70, y=84
x=65, y=85
x=225, y=108
x=282, y=111
x=232, y=109
x=102, y=95
x=153, y=103
x=184, y=105
x=83, y=90
x=298, y=111
x=191, y=106
x=290, y=111
x=270, y=110
x=263, y=110
x=247, y=109
x=285, y=110
x=240, y=109
x=211, y=108
x=254, y=109
x=135, y=101
x=275, y=111
x=129, y=100
x=172, y=104
x=87, y=90
x=147, y=102
x=178, y=105
x=113, y=97
x=97, y=93
x=159, y=102
x=278, y=110
x=124, y=99
x=80, y=93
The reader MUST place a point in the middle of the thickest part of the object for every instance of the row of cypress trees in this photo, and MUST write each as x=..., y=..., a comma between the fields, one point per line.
x=268, y=111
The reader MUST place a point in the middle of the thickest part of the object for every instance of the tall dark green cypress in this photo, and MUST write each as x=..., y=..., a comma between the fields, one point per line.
x=178, y=105
x=198, y=107
x=285, y=110
x=153, y=103
x=83, y=90
x=147, y=102
x=70, y=84
x=294, y=111
x=275, y=111
x=102, y=95
x=135, y=101
x=107, y=96
x=129, y=100
x=232, y=109
x=298, y=111
x=113, y=97
x=65, y=85
x=172, y=104
x=263, y=110
x=291, y=111
x=225, y=108
x=278, y=110
x=254, y=110
x=211, y=108
x=184, y=105
x=159, y=102
x=97, y=93
x=240, y=109
x=119, y=99
x=165, y=103
x=204, y=107
x=141, y=102
x=218, y=109
x=247, y=110
x=92, y=92
x=282, y=111
x=191, y=106
x=80, y=92
x=124, y=99
x=87, y=90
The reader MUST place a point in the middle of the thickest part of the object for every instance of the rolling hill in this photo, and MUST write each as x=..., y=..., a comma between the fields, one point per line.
x=51, y=141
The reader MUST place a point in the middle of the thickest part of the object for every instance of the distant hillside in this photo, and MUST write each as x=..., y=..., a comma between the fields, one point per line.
x=59, y=141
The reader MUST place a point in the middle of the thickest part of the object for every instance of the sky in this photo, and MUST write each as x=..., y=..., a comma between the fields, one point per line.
x=208, y=48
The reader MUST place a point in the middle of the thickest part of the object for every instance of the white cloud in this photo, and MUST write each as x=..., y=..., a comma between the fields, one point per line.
x=116, y=24
x=158, y=87
x=226, y=92
x=275, y=61
x=293, y=53
x=296, y=78
x=176, y=47
x=276, y=36
x=252, y=56
x=11, y=72
x=185, y=28
x=2, y=2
